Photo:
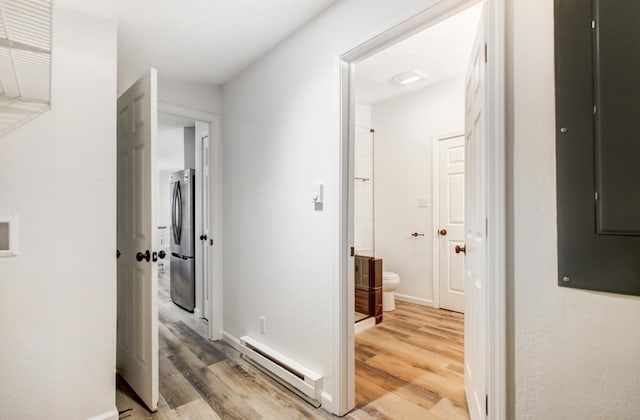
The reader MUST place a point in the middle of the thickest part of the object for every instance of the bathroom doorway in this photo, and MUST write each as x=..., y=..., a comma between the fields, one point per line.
x=412, y=87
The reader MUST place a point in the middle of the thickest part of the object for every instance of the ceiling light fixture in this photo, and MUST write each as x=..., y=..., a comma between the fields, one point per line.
x=409, y=77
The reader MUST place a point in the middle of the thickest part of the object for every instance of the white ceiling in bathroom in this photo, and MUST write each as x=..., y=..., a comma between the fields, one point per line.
x=206, y=41
x=442, y=51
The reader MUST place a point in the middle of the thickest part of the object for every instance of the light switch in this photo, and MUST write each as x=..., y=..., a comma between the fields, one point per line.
x=317, y=194
x=423, y=202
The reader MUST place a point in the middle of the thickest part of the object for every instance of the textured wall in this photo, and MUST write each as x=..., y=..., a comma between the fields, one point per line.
x=575, y=352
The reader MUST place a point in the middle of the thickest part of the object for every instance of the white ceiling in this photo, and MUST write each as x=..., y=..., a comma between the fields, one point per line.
x=205, y=41
x=442, y=51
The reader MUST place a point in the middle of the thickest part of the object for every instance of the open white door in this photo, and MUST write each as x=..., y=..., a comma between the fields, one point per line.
x=475, y=326
x=203, y=286
x=450, y=178
x=137, y=336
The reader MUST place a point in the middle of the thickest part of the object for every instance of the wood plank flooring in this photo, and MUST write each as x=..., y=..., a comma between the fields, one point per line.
x=409, y=367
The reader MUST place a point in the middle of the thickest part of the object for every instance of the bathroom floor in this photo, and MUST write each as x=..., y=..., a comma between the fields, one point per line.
x=411, y=365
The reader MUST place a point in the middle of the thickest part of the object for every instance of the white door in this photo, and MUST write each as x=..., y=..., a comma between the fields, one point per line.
x=475, y=349
x=137, y=336
x=202, y=201
x=450, y=175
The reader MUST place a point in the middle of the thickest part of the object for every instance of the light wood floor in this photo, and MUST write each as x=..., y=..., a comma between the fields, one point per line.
x=410, y=367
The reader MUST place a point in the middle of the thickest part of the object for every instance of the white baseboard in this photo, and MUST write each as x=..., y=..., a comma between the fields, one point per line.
x=365, y=324
x=231, y=340
x=416, y=300
x=109, y=415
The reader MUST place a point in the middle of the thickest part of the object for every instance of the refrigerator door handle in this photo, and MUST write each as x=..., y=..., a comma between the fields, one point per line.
x=176, y=213
x=179, y=211
x=173, y=212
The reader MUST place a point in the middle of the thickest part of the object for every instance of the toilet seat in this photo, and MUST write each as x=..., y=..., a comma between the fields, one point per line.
x=390, y=279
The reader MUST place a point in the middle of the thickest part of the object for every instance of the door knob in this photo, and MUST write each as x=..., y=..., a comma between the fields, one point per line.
x=416, y=234
x=462, y=249
x=146, y=256
x=162, y=254
x=443, y=232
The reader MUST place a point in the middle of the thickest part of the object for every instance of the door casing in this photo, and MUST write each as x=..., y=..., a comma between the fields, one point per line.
x=344, y=344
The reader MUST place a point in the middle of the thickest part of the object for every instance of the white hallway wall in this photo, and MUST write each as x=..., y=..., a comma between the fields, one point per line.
x=198, y=96
x=574, y=352
x=58, y=297
x=405, y=129
x=281, y=136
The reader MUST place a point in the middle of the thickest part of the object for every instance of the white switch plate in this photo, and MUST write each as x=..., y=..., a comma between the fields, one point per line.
x=263, y=324
x=423, y=202
x=317, y=194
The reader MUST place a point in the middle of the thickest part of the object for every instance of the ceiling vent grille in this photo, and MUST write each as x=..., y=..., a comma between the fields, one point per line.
x=25, y=61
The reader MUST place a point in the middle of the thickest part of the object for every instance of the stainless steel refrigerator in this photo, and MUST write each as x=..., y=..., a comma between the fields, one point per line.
x=183, y=267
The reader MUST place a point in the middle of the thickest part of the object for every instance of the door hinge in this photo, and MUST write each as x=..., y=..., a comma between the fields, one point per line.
x=352, y=251
x=486, y=405
x=485, y=52
x=486, y=227
x=593, y=24
x=595, y=109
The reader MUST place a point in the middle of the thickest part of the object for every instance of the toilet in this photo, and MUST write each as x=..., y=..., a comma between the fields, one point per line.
x=390, y=282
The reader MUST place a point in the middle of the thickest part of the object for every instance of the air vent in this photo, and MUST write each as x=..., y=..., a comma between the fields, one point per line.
x=25, y=61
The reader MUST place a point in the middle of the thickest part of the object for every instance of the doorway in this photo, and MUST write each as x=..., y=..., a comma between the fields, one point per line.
x=487, y=391
x=408, y=204
x=183, y=214
x=164, y=228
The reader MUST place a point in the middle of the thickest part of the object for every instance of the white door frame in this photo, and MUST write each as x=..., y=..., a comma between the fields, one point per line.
x=435, y=189
x=496, y=240
x=215, y=208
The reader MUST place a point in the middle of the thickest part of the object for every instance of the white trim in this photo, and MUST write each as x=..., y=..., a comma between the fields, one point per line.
x=12, y=251
x=344, y=302
x=215, y=208
x=496, y=290
x=496, y=210
x=435, y=201
x=231, y=340
x=364, y=325
x=109, y=415
x=416, y=300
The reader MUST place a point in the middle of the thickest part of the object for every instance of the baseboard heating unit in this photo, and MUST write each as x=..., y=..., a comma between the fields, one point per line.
x=303, y=381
